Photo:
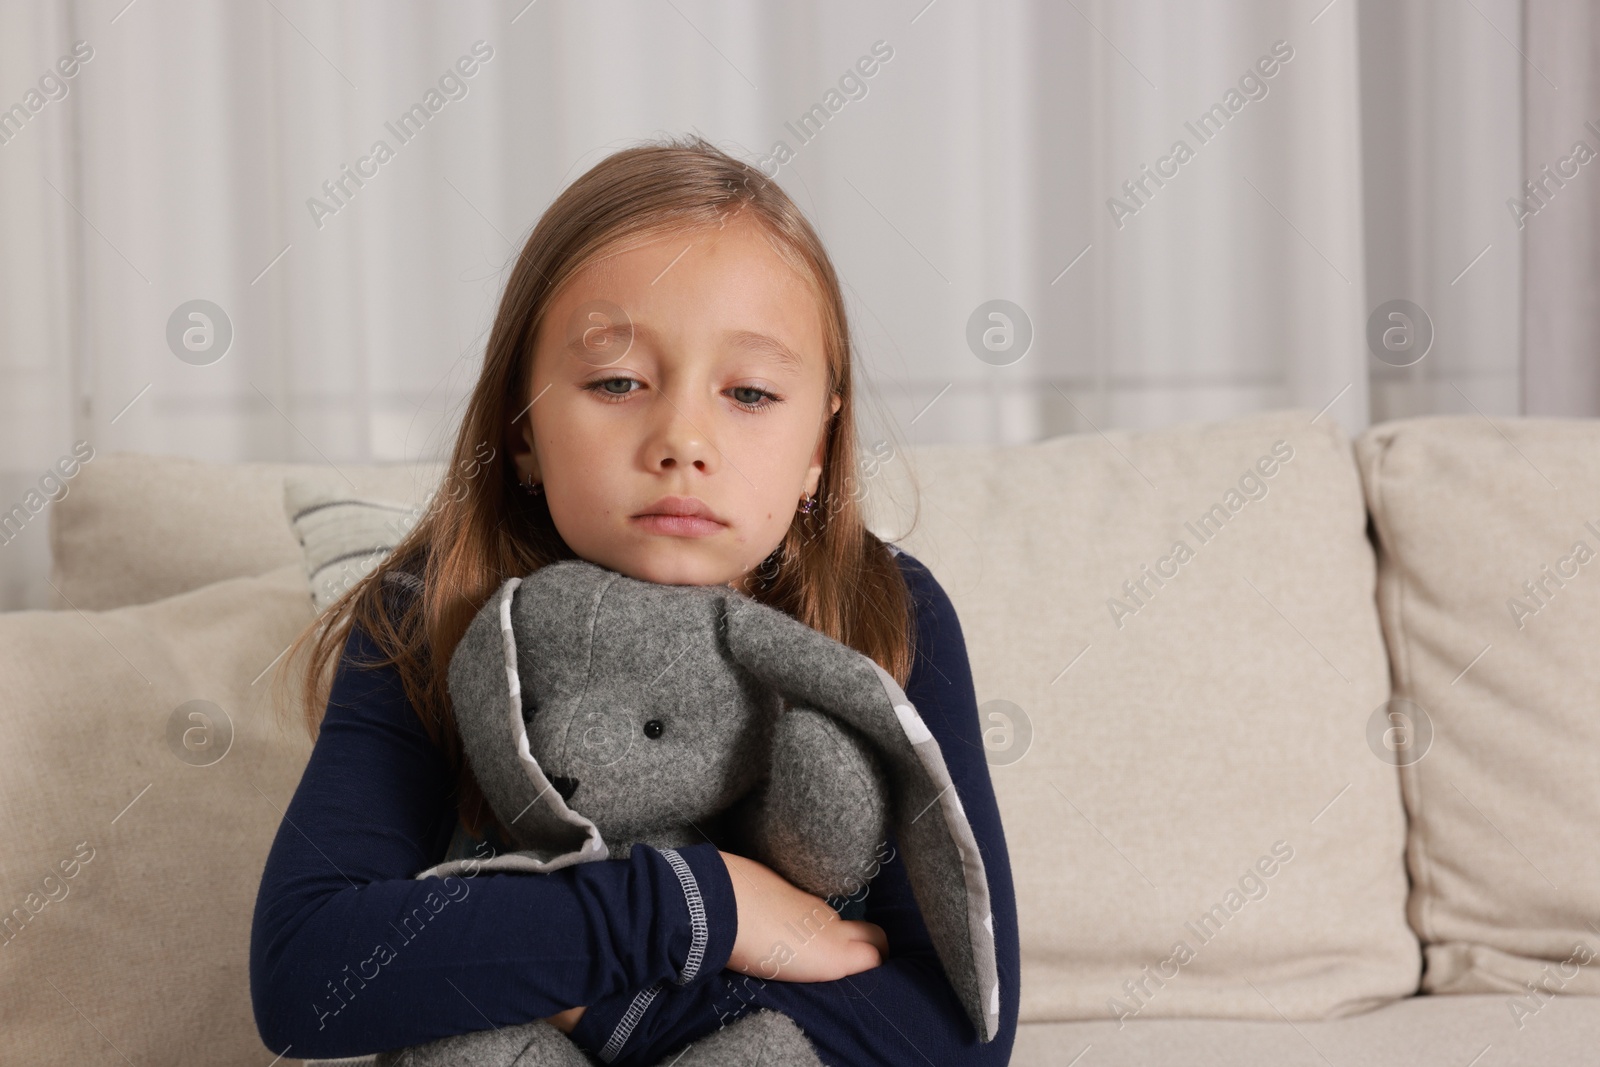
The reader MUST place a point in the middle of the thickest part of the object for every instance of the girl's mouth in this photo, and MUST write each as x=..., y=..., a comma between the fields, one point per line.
x=679, y=525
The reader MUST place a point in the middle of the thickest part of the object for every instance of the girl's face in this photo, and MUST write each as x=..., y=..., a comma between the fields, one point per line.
x=691, y=367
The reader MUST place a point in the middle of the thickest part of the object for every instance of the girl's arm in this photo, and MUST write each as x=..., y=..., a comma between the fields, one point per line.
x=903, y=1012
x=349, y=954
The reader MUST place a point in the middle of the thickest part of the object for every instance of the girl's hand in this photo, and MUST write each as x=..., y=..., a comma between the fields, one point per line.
x=566, y=1020
x=771, y=910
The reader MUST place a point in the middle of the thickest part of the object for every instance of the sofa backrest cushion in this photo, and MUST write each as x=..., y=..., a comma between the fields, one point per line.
x=134, y=528
x=1489, y=590
x=1176, y=655
x=143, y=774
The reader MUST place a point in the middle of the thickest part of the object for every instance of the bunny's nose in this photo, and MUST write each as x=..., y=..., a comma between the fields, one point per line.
x=565, y=786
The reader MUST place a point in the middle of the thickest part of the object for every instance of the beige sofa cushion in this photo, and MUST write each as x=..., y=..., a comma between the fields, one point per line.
x=1414, y=1032
x=1151, y=754
x=1489, y=588
x=135, y=833
x=136, y=528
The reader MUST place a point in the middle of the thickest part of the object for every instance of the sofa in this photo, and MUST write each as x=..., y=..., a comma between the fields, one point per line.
x=1295, y=737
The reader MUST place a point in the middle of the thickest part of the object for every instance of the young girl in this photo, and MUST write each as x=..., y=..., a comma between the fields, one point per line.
x=667, y=392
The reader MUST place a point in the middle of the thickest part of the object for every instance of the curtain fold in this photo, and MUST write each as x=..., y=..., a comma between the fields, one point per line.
x=1559, y=218
x=1441, y=138
x=42, y=239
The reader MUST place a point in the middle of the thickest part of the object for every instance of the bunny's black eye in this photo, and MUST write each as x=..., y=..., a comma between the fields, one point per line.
x=653, y=728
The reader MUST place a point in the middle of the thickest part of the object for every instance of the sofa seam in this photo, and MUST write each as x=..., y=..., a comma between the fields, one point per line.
x=1400, y=657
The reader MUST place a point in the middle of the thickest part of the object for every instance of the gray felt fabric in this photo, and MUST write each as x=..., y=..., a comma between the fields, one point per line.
x=530, y=1045
x=599, y=711
x=825, y=836
x=761, y=1038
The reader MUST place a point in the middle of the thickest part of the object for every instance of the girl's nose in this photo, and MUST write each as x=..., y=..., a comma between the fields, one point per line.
x=682, y=437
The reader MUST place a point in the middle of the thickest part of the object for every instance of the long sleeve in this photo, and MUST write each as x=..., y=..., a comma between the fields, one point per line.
x=350, y=954
x=904, y=1012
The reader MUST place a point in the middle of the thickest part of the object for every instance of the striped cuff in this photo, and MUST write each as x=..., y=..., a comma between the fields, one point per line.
x=630, y=1019
x=713, y=925
x=699, y=936
x=714, y=890
x=699, y=928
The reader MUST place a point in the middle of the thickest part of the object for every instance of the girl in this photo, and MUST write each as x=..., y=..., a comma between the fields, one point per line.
x=667, y=392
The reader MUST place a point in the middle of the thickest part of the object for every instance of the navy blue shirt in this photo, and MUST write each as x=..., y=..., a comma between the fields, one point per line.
x=350, y=954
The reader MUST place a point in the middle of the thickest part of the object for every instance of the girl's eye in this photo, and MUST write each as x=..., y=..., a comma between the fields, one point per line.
x=762, y=398
x=754, y=405
x=600, y=387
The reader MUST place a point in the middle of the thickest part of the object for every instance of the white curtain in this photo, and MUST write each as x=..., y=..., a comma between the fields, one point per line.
x=1441, y=114
x=1561, y=222
x=984, y=162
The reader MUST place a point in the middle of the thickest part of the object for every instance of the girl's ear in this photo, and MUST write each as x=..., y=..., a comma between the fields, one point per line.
x=814, y=475
x=523, y=454
x=942, y=859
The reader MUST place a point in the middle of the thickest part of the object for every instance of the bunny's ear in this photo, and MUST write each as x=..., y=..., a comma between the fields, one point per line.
x=486, y=696
x=941, y=854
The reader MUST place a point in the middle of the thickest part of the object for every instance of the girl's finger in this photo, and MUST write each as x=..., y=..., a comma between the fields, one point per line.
x=872, y=933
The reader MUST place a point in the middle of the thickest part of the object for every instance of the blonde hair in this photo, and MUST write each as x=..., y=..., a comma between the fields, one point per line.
x=833, y=574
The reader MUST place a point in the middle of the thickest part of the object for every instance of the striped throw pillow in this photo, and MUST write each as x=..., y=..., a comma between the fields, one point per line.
x=342, y=534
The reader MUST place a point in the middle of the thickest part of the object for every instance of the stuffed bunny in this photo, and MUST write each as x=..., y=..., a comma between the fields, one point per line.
x=599, y=711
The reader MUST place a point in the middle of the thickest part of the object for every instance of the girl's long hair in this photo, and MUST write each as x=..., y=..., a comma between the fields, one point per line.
x=480, y=528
